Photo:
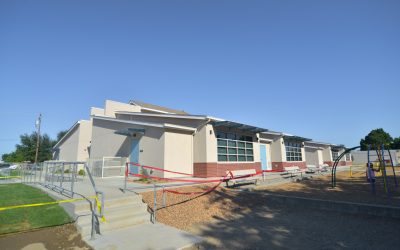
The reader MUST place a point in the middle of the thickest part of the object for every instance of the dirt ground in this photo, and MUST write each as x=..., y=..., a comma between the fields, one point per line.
x=60, y=237
x=230, y=219
x=352, y=189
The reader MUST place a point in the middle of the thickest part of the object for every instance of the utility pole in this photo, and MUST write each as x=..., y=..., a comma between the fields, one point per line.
x=37, y=124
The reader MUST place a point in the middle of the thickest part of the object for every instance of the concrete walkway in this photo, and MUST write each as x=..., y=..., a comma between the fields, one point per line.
x=145, y=236
x=142, y=236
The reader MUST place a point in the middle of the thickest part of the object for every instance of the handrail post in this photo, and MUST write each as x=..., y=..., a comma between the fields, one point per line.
x=155, y=205
x=164, y=198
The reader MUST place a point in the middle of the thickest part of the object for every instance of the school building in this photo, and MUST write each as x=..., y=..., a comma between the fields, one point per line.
x=174, y=140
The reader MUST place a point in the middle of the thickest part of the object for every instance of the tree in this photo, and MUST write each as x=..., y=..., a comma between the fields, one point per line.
x=61, y=134
x=26, y=150
x=376, y=137
x=396, y=143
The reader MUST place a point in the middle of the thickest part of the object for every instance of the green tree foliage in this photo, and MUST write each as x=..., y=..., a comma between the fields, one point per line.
x=26, y=150
x=61, y=134
x=396, y=143
x=376, y=137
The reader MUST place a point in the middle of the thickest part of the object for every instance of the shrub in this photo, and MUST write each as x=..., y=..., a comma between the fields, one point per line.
x=81, y=172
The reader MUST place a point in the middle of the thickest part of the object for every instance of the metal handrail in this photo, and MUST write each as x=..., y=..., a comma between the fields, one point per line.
x=93, y=208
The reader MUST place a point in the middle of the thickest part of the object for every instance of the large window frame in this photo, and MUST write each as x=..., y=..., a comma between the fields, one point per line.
x=293, y=151
x=232, y=147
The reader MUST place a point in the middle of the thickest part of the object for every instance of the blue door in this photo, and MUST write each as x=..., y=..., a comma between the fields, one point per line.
x=263, y=157
x=134, y=155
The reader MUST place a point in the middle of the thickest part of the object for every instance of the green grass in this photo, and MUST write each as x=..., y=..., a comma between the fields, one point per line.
x=22, y=219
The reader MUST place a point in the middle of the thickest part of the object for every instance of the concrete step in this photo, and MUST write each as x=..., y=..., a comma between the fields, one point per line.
x=117, y=212
x=83, y=207
x=123, y=221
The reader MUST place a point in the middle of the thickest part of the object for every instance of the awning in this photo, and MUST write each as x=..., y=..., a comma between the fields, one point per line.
x=239, y=126
x=337, y=147
x=130, y=131
x=295, y=138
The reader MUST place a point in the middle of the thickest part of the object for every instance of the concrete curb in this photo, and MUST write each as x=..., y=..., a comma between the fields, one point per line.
x=337, y=206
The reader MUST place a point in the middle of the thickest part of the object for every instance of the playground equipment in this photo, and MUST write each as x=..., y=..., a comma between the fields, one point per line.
x=337, y=160
x=372, y=167
x=381, y=164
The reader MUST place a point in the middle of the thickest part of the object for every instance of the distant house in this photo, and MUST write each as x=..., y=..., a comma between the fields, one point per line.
x=174, y=140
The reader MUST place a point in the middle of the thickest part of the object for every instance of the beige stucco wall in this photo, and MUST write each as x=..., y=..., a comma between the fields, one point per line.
x=200, y=145
x=152, y=149
x=211, y=144
x=85, y=136
x=178, y=153
x=278, y=152
x=312, y=156
x=320, y=157
x=96, y=111
x=303, y=153
x=68, y=149
x=106, y=143
x=327, y=154
x=111, y=106
x=269, y=155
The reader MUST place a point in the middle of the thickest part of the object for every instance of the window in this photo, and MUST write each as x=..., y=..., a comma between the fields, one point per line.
x=234, y=148
x=293, y=151
x=335, y=155
x=348, y=157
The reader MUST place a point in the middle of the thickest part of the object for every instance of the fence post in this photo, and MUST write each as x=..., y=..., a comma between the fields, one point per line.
x=40, y=173
x=62, y=176
x=155, y=205
x=163, y=193
x=126, y=175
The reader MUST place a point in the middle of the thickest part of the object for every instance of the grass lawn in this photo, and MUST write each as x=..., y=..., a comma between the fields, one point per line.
x=21, y=219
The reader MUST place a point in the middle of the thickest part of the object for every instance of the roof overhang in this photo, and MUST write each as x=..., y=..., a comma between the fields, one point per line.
x=312, y=147
x=319, y=143
x=148, y=124
x=239, y=126
x=295, y=138
x=130, y=131
x=166, y=115
x=337, y=147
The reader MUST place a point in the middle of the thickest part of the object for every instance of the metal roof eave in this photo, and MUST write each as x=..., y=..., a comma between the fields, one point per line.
x=295, y=138
x=239, y=126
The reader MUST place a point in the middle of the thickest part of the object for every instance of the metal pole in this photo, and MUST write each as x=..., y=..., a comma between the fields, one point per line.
x=73, y=177
x=384, y=171
x=62, y=176
x=38, y=122
x=40, y=173
x=164, y=198
x=46, y=174
x=155, y=205
x=369, y=170
x=52, y=174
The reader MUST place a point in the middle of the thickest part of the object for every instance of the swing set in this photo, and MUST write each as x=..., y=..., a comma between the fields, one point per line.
x=379, y=166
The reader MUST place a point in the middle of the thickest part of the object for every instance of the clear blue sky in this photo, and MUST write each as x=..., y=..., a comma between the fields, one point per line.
x=327, y=70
